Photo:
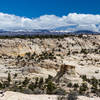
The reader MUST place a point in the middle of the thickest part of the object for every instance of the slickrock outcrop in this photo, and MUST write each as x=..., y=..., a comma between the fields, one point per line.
x=48, y=54
x=19, y=96
x=67, y=74
x=70, y=63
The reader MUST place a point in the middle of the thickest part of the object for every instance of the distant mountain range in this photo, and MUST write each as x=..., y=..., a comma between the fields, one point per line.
x=86, y=32
x=42, y=32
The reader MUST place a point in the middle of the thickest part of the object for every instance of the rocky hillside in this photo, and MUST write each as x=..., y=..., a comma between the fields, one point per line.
x=49, y=54
x=66, y=59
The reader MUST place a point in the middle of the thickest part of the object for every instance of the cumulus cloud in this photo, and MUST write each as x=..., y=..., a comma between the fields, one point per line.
x=71, y=22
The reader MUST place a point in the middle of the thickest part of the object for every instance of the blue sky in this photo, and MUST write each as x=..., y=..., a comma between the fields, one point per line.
x=36, y=8
x=63, y=15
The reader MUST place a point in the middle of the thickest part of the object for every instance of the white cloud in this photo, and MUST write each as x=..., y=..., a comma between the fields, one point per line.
x=72, y=21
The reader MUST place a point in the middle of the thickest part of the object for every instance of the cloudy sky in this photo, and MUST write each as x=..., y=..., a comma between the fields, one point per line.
x=72, y=21
x=69, y=15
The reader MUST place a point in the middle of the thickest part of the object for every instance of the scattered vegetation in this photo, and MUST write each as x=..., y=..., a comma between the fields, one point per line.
x=50, y=87
x=9, y=78
x=84, y=51
x=72, y=96
x=34, y=57
x=37, y=36
x=83, y=88
x=35, y=86
x=26, y=81
x=69, y=85
x=76, y=86
x=95, y=85
x=87, y=51
x=84, y=77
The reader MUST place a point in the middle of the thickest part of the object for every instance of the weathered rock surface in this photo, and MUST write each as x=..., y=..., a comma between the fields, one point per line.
x=66, y=59
x=19, y=96
x=82, y=52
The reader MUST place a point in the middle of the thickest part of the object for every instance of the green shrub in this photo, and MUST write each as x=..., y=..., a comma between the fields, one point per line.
x=48, y=79
x=9, y=78
x=1, y=85
x=28, y=54
x=5, y=84
x=85, y=51
x=15, y=75
x=94, y=82
x=69, y=85
x=36, y=82
x=93, y=89
x=26, y=81
x=41, y=81
x=72, y=96
x=59, y=91
x=31, y=86
x=83, y=88
x=75, y=85
x=84, y=77
x=50, y=87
